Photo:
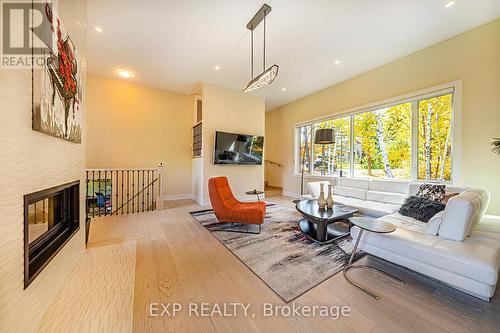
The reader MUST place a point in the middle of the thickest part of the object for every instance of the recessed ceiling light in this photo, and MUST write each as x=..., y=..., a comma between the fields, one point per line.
x=124, y=74
x=449, y=4
x=98, y=29
x=217, y=67
x=283, y=89
x=337, y=62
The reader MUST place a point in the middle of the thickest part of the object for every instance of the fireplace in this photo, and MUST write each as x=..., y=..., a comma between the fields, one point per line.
x=51, y=218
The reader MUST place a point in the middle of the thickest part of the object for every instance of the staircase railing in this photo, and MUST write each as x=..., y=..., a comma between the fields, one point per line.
x=272, y=162
x=121, y=191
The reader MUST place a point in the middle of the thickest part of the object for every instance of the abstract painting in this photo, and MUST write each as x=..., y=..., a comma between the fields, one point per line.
x=57, y=90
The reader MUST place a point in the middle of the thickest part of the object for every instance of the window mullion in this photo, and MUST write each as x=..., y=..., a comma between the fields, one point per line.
x=414, y=140
x=351, y=155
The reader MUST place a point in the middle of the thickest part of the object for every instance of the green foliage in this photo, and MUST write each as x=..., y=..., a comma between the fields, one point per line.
x=396, y=132
x=383, y=140
x=435, y=112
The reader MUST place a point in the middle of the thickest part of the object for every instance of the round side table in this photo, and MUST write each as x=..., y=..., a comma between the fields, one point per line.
x=370, y=225
x=255, y=192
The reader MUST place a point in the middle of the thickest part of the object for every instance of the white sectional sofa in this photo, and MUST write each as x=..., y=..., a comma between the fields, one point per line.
x=459, y=246
x=374, y=198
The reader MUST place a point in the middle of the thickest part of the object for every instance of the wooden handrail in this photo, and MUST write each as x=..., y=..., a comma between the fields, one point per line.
x=272, y=162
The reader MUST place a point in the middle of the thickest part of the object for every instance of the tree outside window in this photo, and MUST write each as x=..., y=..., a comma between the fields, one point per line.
x=330, y=159
x=382, y=142
x=434, y=138
x=409, y=140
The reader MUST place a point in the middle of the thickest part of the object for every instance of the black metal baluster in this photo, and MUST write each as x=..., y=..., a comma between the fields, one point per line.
x=99, y=180
x=143, y=190
x=128, y=189
x=93, y=192
x=133, y=192
x=86, y=195
x=147, y=194
x=121, y=207
x=153, y=201
x=105, y=189
x=111, y=193
x=116, y=191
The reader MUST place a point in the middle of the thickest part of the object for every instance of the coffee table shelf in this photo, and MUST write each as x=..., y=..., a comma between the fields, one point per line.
x=324, y=225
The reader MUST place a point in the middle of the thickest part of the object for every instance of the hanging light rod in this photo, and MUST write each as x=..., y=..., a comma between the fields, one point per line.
x=268, y=75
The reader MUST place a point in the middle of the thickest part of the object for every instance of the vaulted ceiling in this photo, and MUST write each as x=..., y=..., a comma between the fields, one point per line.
x=174, y=44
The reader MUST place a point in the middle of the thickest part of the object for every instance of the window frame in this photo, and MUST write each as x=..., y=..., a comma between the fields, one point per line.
x=454, y=87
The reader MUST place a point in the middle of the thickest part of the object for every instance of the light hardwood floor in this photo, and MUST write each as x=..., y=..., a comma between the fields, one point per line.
x=177, y=260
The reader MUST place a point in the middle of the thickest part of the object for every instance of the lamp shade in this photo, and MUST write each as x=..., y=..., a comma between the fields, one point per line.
x=324, y=136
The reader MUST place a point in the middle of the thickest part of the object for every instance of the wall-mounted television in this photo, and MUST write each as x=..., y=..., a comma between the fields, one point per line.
x=231, y=148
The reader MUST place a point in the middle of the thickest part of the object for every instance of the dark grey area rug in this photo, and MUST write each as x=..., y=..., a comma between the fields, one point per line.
x=281, y=256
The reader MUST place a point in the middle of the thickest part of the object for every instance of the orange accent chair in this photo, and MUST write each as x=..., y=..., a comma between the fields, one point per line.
x=228, y=209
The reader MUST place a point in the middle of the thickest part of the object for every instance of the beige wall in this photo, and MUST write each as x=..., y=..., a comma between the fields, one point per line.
x=134, y=126
x=473, y=57
x=231, y=111
x=31, y=161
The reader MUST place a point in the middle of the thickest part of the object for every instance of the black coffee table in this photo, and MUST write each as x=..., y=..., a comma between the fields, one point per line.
x=324, y=225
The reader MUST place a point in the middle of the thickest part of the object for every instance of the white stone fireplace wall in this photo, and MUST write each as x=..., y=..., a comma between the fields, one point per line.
x=29, y=162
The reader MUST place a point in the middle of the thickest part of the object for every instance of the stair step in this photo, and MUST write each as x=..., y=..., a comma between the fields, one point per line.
x=273, y=191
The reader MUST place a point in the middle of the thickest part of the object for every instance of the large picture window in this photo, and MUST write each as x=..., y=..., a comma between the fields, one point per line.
x=409, y=139
x=382, y=142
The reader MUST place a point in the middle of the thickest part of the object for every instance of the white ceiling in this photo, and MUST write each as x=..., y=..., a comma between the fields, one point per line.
x=175, y=45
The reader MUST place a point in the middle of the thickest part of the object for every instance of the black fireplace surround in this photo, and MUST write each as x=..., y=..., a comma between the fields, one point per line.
x=51, y=218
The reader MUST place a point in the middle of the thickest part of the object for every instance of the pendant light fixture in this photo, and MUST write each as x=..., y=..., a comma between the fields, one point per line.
x=268, y=75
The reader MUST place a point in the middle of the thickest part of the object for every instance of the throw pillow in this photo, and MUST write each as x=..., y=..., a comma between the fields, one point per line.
x=420, y=208
x=448, y=196
x=433, y=192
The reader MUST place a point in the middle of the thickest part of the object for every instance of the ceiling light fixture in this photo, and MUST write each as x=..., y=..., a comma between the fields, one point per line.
x=268, y=75
x=337, y=62
x=283, y=89
x=449, y=4
x=217, y=67
x=98, y=29
x=124, y=74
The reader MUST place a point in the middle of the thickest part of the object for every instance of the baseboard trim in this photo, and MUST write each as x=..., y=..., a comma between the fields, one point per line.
x=198, y=200
x=290, y=194
x=169, y=197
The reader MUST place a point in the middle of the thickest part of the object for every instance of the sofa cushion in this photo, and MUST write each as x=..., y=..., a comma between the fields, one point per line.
x=434, y=224
x=348, y=201
x=350, y=192
x=315, y=187
x=405, y=222
x=375, y=208
x=388, y=197
x=435, y=192
x=476, y=258
x=462, y=213
x=389, y=186
x=414, y=187
x=367, y=207
x=362, y=184
x=420, y=208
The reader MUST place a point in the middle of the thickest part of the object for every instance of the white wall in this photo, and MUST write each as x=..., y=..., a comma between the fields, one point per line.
x=231, y=111
x=472, y=57
x=31, y=161
x=140, y=126
x=197, y=179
